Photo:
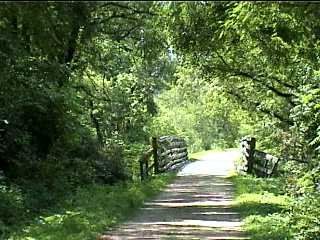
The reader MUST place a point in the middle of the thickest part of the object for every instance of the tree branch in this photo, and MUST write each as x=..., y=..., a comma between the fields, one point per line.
x=280, y=82
x=258, y=105
x=87, y=91
x=222, y=59
x=114, y=16
x=273, y=89
x=119, y=5
x=127, y=33
x=288, y=96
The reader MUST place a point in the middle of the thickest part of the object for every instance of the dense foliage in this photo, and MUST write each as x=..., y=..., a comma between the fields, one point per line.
x=76, y=89
x=198, y=111
x=264, y=56
x=85, y=84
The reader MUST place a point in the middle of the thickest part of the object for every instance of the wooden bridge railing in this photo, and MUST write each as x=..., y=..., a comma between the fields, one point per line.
x=257, y=162
x=169, y=154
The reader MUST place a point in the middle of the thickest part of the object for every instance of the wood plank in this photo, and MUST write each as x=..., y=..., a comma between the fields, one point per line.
x=173, y=156
x=172, y=159
x=262, y=169
x=170, y=139
x=267, y=156
x=171, y=164
x=173, y=150
x=172, y=145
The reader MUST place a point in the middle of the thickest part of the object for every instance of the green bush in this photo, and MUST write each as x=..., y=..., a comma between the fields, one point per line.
x=91, y=210
x=300, y=178
x=132, y=154
x=110, y=165
x=304, y=217
x=12, y=209
x=270, y=213
x=273, y=227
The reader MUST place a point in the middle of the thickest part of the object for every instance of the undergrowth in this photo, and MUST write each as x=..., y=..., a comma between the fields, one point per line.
x=269, y=213
x=90, y=211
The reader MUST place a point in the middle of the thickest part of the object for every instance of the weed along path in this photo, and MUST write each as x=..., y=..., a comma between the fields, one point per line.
x=197, y=205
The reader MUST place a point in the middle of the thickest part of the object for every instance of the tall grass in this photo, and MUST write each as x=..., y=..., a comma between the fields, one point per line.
x=91, y=210
x=263, y=206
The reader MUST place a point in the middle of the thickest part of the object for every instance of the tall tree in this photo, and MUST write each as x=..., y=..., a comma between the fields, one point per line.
x=262, y=53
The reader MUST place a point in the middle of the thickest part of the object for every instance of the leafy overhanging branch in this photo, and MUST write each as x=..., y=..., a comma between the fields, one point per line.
x=287, y=96
x=257, y=106
x=257, y=78
x=126, y=7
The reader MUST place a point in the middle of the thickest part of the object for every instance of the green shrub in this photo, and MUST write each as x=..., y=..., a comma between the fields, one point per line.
x=132, y=154
x=11, y=205
x=271, y=214
x=304, y=217
x=272, y=227
x=263, y=205
x=111, y=165
x=91, y=210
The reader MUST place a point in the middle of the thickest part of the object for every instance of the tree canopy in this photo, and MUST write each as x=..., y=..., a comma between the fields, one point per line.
x=264, y=55
x=84, y=85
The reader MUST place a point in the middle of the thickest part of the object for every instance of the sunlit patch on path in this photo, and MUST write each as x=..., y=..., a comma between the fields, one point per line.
x=197, y=205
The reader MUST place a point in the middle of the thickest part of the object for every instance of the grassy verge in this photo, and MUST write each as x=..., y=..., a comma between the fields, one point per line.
x=92, y=210
x=264, y=207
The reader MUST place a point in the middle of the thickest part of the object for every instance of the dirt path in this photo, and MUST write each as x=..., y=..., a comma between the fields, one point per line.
x=195, y=206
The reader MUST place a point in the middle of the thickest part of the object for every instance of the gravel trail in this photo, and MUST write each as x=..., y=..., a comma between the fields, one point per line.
x=197, y=205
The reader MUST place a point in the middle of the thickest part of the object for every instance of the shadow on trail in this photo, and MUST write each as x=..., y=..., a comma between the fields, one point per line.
x=195, y=206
